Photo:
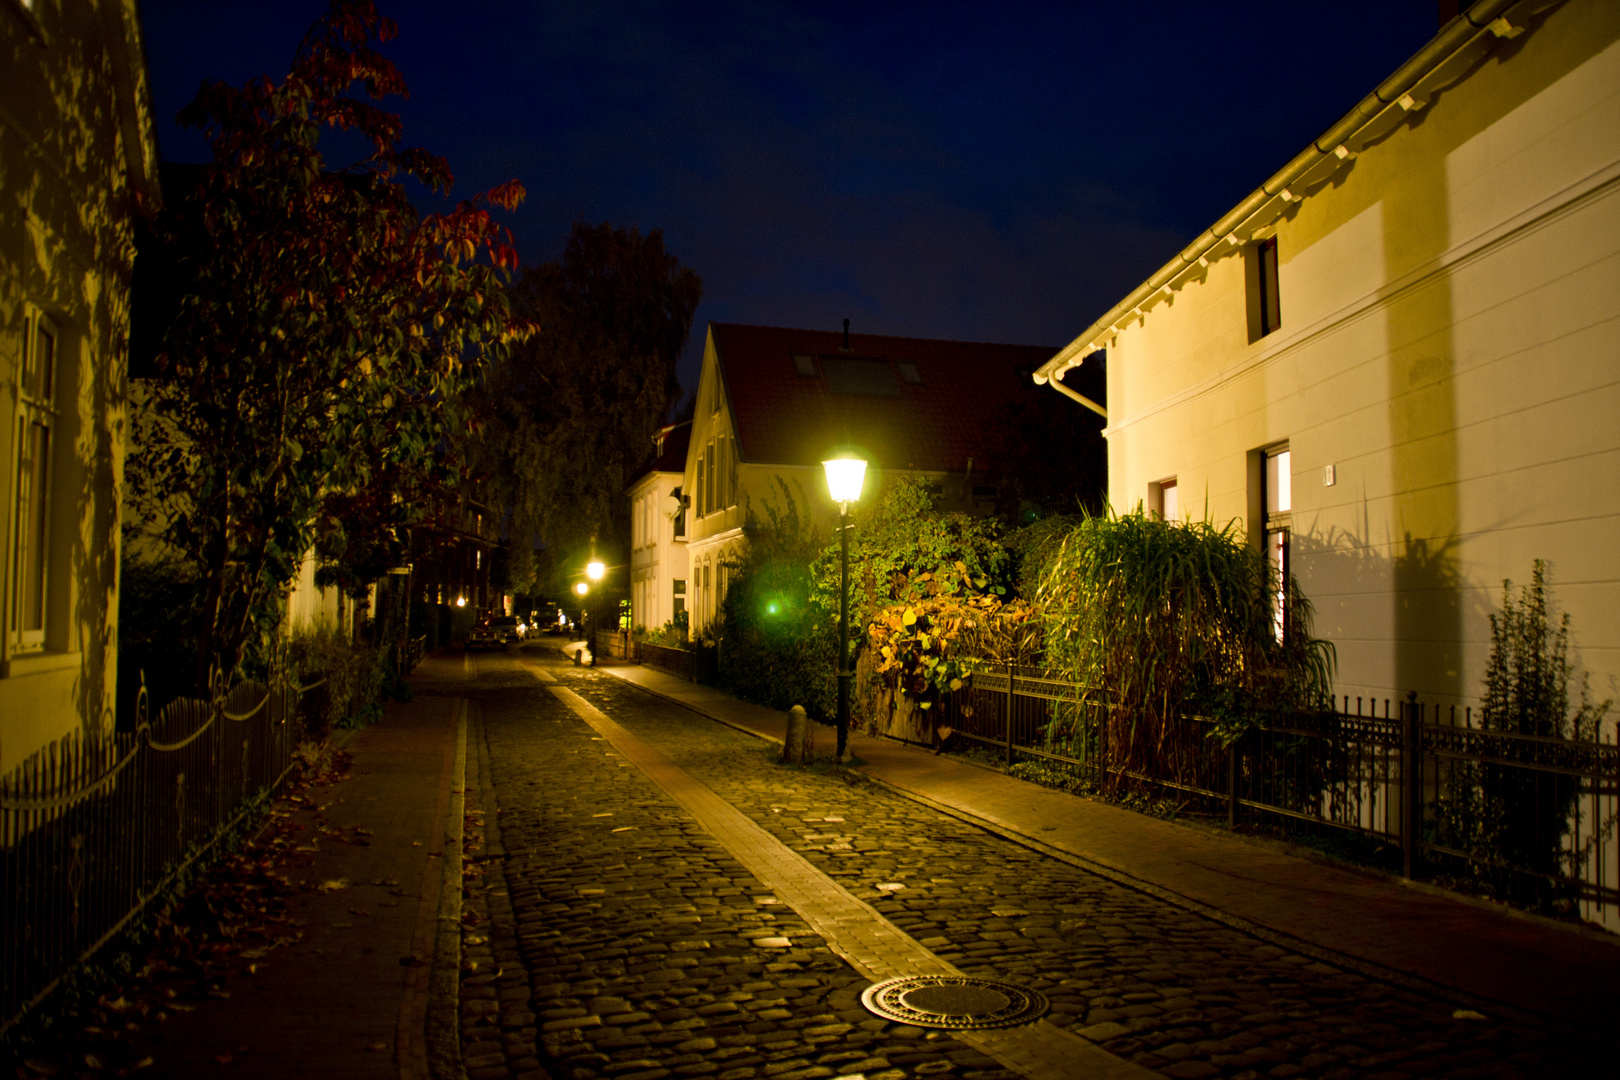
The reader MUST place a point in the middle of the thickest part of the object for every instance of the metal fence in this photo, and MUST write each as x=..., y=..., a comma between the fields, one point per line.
x=94, y=827
x=1536, y=819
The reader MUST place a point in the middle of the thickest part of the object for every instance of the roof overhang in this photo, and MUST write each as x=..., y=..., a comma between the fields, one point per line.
x=1406, y=91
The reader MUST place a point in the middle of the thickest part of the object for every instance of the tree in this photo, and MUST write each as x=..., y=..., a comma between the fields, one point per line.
x=325, y=331
x=573, y=410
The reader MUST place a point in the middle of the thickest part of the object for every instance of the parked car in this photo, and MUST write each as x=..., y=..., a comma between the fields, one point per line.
x=501, y=630
x=485, y=635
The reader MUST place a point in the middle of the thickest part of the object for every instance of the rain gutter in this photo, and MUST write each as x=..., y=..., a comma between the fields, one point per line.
x=1335, y=147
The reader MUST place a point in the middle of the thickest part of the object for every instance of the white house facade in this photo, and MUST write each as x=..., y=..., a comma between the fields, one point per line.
x=1397, y=363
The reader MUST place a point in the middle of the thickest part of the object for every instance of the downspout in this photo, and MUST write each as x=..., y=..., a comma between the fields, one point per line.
x=1481, y=18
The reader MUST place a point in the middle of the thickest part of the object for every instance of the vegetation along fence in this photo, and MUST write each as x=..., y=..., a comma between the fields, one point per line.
x=94, y=827
x=1529, y=818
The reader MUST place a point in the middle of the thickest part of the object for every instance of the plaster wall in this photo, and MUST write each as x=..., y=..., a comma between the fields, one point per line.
x=1450, y=345
x=74, y=129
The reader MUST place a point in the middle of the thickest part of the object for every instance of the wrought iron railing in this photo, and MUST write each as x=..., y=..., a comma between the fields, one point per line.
x=1537, y=819
x=95, y=826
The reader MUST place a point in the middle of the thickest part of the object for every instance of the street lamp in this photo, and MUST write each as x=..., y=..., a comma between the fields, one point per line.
x=581, y=588
x=845, y=474
x=594, y=570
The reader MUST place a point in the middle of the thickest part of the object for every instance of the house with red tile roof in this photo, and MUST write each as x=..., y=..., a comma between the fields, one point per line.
x=773, y=403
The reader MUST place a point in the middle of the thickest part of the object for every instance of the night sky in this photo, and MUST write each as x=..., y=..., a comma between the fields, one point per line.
x=994, y=172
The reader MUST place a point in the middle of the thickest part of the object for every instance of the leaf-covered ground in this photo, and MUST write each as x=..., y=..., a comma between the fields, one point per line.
x=191, y=950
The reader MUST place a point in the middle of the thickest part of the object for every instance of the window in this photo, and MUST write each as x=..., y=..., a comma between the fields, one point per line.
x=36, y=420
x=1260, y=271
x=1277, y=482
x=679, y=595
x=709, y=492
x=909, y=373
x=1164, y=500
x=697, y=504
x=680, y=513
x=804, y=365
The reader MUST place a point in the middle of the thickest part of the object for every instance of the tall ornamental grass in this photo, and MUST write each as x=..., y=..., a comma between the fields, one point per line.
x=1159, y=621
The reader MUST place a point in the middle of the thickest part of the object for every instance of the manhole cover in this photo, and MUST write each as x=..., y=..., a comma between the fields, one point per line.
x=953, y=1001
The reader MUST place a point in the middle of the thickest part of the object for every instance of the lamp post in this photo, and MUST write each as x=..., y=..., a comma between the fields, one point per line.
x=845, y=474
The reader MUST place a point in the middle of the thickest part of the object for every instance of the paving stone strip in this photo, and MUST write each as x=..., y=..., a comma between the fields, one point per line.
x=854, y=929
x=1149, y=980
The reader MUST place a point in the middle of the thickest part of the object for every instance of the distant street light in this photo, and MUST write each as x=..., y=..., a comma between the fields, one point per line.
x=845, y=474
x=581, y=588
x=461, y=601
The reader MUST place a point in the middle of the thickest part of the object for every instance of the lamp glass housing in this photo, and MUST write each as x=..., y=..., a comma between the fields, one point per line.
x=844, y=478
x=581, y=588
x=594, y=570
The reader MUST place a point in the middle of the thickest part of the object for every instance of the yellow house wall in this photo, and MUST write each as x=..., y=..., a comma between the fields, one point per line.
x=1450, y=343
x=71, y=91
x=657, y=559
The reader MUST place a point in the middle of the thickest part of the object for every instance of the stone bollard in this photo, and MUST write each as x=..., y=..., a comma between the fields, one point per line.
x=577, y=653
x=798, y=725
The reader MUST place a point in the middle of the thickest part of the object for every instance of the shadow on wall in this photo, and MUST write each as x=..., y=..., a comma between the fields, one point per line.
x=1402, y=615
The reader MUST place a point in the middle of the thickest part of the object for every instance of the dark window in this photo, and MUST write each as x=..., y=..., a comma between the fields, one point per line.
x=1265, y=311
x=804, y=365
x=909, y=373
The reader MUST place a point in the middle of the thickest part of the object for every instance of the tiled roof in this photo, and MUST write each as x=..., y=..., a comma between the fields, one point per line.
x=937, y=423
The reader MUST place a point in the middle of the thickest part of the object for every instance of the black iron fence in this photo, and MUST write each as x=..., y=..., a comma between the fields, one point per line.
x=94, y=827
x=1534, y=819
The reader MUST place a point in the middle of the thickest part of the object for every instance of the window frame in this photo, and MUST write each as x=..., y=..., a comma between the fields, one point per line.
x=27, y=616
x=1263, y=296
x=1277, y=523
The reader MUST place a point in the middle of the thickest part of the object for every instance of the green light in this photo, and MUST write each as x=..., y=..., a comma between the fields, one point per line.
x=772, y=608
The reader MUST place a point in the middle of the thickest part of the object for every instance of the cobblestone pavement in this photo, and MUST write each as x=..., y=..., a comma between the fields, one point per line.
x=624, y=939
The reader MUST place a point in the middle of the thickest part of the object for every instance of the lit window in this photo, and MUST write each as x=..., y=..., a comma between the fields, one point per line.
x=1265, y=313
x=31, y=546
x=1279, y=503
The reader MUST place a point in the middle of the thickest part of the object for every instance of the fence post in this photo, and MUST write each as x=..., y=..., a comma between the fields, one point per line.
x=1009, y=712
x=1409, y=787
x=1232, y=784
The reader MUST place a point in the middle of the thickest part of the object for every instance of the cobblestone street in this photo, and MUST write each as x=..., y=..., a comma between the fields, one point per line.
x=608, y=933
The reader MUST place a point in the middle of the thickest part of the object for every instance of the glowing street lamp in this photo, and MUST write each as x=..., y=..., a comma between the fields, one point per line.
x=594, y=570
x=461, y=601
x=845, y=475
x=581, y=588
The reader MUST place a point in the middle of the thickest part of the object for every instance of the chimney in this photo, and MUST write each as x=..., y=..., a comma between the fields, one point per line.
x=846, y=335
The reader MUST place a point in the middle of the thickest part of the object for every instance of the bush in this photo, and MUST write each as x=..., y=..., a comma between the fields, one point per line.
x=1515, y=817
x=158, y=605
x=1157, y=620
x=777, y=644
x=354, y=672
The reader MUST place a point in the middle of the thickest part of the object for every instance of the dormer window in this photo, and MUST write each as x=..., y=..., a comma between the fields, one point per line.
x=908, y=373
x=804, y=365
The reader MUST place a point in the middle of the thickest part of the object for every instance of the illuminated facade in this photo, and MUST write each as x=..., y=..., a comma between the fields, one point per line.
x=1398, y=362
x=80, y=160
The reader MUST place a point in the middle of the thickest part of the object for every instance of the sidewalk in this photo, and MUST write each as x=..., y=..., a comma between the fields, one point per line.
x=1362, y=920
x=364, y=993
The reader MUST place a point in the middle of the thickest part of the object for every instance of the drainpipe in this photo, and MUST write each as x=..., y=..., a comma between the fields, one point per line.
x=1485, y=17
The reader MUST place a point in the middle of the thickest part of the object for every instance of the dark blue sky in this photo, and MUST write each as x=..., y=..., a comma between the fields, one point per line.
x=994, y=171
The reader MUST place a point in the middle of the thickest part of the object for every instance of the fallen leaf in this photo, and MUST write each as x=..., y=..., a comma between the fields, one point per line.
x=376, y=1046
x=1467, y=1014
x=224, y=1058
x=334, y=885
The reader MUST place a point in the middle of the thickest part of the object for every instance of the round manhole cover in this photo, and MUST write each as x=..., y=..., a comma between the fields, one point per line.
x=953, y=1001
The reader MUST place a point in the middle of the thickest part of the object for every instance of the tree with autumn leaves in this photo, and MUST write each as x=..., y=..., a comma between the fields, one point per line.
x=326, y=332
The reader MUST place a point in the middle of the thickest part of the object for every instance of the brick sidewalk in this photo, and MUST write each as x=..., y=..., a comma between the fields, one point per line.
x=352, y=998
x=1381, y=925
